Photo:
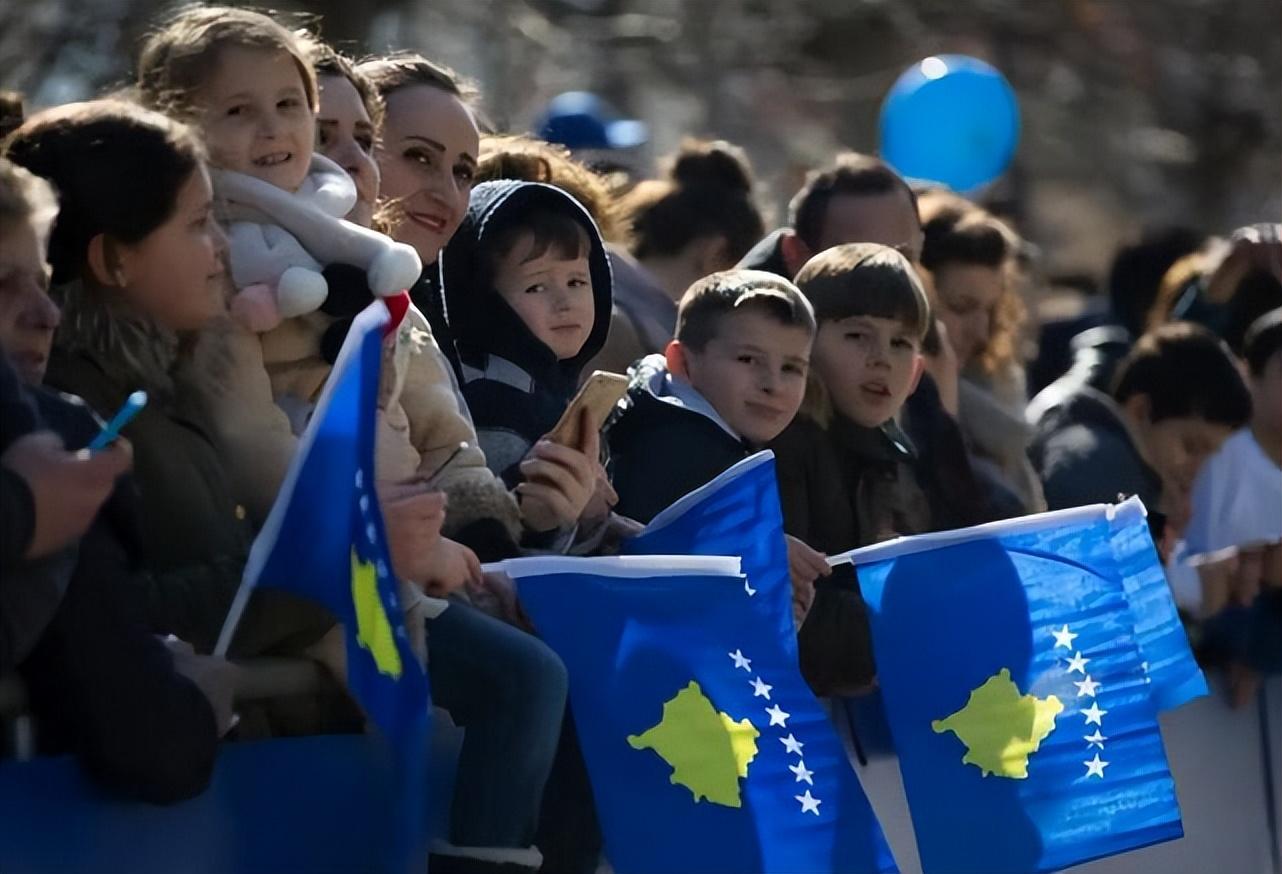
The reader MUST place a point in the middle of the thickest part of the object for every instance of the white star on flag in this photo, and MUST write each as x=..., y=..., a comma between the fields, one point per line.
x=364, y=503
x=1094, y=714
x=809, y=803
x=777, y=716
x=1077, y=663
x=1086, y=687
x=760, y=689
x=1096, y=767
x=740, y=661
x=749, y=589
x=791, y=744
x=802, y=772
x=1095, y=740
x=1064, y=638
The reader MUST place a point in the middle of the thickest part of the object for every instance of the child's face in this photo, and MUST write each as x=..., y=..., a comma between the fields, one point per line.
x=1176, y=447
x=869, y=365
x=255, y=116
x=753, y=372
x=27, y=316
x=551, y=293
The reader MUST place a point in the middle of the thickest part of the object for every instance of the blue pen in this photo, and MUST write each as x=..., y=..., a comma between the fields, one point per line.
x=132, y=406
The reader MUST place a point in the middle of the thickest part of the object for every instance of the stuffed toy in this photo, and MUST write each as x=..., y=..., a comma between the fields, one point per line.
x=280, y=241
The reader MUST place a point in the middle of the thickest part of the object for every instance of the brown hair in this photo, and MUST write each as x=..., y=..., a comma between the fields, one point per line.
x=707, y=191
x=25, y=197
x=956, y=231
x=390, y=73
x=12, y=112
x=865, y=279
x=178, y=56
x=328, y=61
x=117, y=167
x=717, y=295
x=532, y=160
x=850, y=174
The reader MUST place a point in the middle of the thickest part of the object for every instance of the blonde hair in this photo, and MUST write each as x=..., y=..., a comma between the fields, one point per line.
x=178, y=56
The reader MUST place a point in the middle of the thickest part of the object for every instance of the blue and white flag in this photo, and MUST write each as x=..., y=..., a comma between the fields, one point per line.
x=1022, y=665
x=706, y=749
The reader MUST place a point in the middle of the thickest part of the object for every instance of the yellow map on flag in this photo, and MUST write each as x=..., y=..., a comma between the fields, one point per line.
x=1000, y=727
x=709, y=752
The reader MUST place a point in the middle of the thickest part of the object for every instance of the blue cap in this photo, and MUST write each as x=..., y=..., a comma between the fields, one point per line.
x=582, y=120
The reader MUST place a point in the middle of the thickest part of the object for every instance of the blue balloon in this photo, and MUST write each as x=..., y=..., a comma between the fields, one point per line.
x=951, y=119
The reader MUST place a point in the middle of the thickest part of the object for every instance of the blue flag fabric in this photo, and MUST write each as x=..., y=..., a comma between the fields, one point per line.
x=324, y=540
x=707, y=751
x=737, y=514
x=1017, y=692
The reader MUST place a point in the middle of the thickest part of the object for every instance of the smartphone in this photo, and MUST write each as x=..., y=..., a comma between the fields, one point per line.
x=598, y=395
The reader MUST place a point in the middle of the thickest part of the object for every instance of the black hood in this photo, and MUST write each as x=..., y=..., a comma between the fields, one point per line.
x=480, y=321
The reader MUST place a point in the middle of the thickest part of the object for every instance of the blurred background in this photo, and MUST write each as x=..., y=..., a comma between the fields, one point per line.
x=1134, y=113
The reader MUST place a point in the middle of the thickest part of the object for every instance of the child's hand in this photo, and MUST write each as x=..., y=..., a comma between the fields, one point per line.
x=413, y=516
x=67, y=488
x=805, y=565
x=453, y=566
x=559, y=482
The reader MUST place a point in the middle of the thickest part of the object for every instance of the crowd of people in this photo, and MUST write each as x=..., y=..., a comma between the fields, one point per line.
x=183, y=236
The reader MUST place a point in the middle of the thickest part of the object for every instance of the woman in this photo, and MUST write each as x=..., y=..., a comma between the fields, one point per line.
x=970, y=258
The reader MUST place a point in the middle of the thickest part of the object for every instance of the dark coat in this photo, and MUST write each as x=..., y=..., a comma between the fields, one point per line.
x=1085, y=454
x=662, y=446
x=767, y=255
x=194, y=536
x=515, y=387
x=100, y=682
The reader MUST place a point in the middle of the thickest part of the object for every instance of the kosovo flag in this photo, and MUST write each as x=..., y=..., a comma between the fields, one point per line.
x=706, y=749
x=1016, y=689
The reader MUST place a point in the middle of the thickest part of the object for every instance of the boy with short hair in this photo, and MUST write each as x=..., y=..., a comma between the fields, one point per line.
x=729, y=382
x=1176, y=397
x=846, y=471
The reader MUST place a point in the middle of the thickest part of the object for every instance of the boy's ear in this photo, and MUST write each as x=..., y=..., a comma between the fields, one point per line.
x=919, y=367
x=105, y=263
x=675, y=356
x=795, y=252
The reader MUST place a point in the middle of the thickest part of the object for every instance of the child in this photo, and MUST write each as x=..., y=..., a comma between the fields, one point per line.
x=1176, y=397
x=1236, y=503
x=248, y=85
x=527, y=289
x=729, y=382
x=845, y=468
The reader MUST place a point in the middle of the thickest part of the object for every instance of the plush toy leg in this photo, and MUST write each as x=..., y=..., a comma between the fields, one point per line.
x=254, y=307
x=393, y=270
x=300, y=291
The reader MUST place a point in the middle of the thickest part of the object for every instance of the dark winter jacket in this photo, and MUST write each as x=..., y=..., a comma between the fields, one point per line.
x=667, y=442
x=515, y=387
x=100, y=682
x=1096, y=353
x=846, y=486
x=195, y=537
x=17, y=509
x=1085, y=454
